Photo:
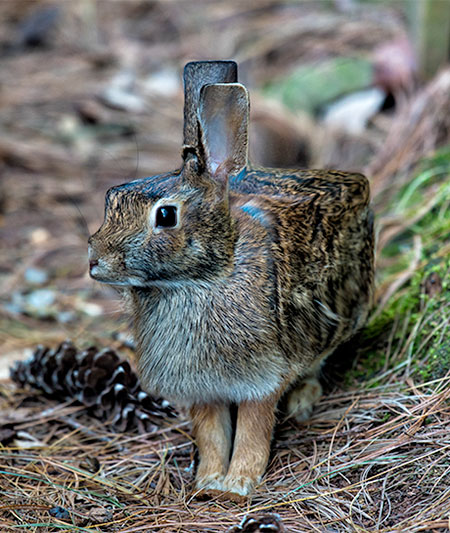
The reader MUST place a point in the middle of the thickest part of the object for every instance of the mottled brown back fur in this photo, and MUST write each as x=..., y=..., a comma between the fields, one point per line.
x=322, y=243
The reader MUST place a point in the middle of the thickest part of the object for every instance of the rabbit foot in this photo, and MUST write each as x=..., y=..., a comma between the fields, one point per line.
x=210, y=485
x=302, y=398
x=238, y=488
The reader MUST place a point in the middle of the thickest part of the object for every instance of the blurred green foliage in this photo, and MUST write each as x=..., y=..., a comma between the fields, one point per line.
x=311, y=87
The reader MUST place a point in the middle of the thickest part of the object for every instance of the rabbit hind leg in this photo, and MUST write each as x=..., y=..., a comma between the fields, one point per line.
x=302, y=398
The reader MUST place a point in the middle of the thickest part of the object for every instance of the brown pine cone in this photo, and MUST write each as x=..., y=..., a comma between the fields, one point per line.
x=264, y=523
x=100, y=380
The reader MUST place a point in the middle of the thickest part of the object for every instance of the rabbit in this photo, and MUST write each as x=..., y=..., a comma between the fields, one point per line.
x=240, y=280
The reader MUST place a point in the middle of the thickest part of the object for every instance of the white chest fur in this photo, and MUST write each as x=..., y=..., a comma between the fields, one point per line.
x=198, y=343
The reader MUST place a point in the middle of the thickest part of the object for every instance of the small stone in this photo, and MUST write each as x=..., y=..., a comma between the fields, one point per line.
x=39, y=236
x=164, y=83
x=64, y=317
x=35, y=276
x=91, y=309
x=120, y=94
x=40, y=300
x=59, y=512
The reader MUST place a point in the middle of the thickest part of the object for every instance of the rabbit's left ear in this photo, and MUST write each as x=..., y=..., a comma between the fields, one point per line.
x=223, y=119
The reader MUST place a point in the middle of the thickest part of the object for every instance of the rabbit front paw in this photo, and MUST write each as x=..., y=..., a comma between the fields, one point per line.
x=210, y=483
x=238, y=487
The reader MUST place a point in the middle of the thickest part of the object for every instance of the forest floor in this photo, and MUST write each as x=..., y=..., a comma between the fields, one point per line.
x=91, y=97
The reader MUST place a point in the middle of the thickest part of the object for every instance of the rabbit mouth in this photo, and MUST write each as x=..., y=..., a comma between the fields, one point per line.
x=100, y=273
x=112, y=280
x=97, y=273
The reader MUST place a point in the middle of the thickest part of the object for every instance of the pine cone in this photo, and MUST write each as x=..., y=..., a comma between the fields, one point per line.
x=265, y=523
x=100, y=380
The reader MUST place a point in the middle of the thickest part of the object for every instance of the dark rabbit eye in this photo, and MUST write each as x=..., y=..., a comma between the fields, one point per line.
x=166, y=216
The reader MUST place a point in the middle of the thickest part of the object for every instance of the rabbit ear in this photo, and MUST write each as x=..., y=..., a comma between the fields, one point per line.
x=196, y=75
x=223, y=119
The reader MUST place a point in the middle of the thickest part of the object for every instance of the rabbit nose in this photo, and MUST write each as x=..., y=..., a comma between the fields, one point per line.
x=92, y=257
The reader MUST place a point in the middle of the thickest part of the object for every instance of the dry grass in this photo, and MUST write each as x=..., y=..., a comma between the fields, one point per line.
x=376, y=454
x=368, y=460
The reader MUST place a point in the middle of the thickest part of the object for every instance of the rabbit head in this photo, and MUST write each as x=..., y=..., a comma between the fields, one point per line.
x=177, y=227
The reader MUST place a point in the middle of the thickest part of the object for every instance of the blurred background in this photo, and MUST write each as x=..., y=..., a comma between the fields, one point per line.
x=91, y=96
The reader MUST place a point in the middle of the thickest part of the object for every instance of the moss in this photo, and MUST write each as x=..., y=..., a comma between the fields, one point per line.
x=411, y=336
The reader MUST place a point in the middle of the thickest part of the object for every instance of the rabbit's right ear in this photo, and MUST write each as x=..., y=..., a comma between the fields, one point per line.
x=223, y=121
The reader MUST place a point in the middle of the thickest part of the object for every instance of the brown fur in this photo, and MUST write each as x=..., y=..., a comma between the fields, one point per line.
x=251, y=446
x=264, y=274
x=211, y=425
